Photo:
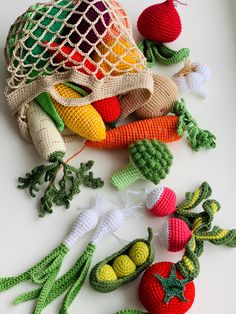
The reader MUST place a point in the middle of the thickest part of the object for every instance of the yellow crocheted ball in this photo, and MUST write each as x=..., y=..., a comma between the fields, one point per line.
x=139, y=253
x=106, y=273
x=117, y=57
x=123, y=266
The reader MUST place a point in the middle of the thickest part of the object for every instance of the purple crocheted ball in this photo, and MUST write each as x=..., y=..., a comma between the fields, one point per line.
x=83, y=16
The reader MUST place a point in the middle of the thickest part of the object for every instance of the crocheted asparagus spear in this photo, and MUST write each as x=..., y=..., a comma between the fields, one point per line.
x=149, y=159
x=51, y=147
x=73, y=280
x=45, y=272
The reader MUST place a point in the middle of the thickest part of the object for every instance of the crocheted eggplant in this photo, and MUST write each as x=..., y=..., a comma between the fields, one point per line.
x=123, y=266
x=149, y=159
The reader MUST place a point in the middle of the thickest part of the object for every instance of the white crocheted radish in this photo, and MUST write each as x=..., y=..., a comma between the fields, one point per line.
x=161, y=202
x=192, y=78
x=174, y=235
x=45, y=272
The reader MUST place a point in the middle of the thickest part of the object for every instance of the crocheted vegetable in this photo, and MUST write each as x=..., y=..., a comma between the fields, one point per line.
x=160, y=22
x=154, y=51
x=165, y=129
x=72, y=281
x=109, y=109
x=161, y=202
x=40, y=55
x=192, y=78
x=83, y=120
x=175, y=235
x=164, y=290
x=45, y=272
x=162, y=101
x=149, y=159
x=114, y=271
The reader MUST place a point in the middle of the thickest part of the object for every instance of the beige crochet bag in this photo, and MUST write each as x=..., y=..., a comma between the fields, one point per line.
x=87, y=42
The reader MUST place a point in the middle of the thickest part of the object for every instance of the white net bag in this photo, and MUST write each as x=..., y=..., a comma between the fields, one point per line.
x=87, y=42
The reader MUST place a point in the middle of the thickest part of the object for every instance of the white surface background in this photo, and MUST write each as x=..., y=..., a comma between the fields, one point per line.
x=209, y=31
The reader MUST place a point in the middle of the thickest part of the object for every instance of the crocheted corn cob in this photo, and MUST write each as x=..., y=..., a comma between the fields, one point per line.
x=162, y=101
x=149, y=159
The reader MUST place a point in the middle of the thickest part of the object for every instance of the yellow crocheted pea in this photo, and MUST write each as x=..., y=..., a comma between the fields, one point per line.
x=123, y=266
x=83, y=120
x=139, y=253
x=118, y=57
x=106, y=273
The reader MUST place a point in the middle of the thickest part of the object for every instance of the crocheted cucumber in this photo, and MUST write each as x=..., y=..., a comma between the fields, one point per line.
x=110, y=274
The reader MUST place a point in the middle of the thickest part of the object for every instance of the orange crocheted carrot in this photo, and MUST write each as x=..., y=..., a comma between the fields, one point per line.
x=165, y=129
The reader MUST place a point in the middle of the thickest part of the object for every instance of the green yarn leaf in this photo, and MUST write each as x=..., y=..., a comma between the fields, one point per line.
x=159, y=52
x=218, y=236
x=196, y=137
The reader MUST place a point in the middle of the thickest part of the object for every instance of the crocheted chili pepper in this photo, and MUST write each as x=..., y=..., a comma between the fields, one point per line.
x=123, y=266
x=149, y=159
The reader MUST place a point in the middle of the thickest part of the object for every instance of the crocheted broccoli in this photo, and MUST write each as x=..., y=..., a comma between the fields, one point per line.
x=149, y=159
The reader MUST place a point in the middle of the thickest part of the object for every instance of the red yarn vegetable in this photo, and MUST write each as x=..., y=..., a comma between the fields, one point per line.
x=109, y=109
x=160, y=22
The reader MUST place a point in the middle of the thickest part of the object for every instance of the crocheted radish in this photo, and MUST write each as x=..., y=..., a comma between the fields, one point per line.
x=160, y=22
x=73, y=280
x=163, y=290
x=161, y=202
x=45, y=272
x=175, y=235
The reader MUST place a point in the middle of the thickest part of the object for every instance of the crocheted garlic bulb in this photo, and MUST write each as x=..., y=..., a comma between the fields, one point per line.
x=192, y=78
x=165, y=93
x=161, y=202
x=160, y=22
x=175, y=234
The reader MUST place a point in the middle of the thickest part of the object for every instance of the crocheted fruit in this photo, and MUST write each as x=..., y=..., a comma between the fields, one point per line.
x=161, y=202
x=115, y=58
x=162, y=101
x=106, y=273
x=139, y=253
x=109, y=109
x=163, y=290
x=127, y=264
x=83, y=120
x=175, y=235
x=160, y=22
x=149, y=159
x=87, y=24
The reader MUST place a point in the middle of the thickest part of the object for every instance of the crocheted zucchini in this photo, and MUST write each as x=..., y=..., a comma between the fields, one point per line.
x=123, y=266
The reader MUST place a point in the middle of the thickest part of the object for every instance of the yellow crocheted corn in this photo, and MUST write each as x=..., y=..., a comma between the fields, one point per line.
x=83, y=120
x=106, y=273
x=123, y=266
x=139, y=253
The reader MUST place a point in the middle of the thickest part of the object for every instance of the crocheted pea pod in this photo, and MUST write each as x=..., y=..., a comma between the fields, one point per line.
x=140, y=252
x=164, y=96
x=83, y=120
x=149, y=159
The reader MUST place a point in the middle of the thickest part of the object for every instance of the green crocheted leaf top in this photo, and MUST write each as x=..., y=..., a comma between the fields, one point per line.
x=152, y=158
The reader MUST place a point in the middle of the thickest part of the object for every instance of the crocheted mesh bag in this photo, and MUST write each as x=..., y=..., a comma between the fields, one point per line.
x=87, y=42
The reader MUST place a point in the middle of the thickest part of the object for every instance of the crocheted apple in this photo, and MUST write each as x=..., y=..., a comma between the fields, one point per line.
x=161, y=202
x=175, y=235
x=163, y=290
x=160, y=22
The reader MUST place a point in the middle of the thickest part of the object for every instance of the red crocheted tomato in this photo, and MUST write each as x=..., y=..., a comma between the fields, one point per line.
x=108, y=108
x=163, y=290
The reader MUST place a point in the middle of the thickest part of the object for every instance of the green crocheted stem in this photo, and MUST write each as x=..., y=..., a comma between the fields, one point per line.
x=159, y=52
x=46, y=104
x=131, y=312
x=196, y=137
x=218, y=236
x=68, y=186
x=40, y=272
x=126, y=176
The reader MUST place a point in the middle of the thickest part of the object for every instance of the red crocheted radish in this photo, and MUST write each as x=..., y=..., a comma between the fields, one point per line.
x=175, y=235
x=163, y=290
x=65, y=53
x=160, y=22
x=109, y=109
x=161, y=202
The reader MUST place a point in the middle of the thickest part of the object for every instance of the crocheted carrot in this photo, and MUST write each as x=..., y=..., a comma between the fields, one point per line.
x=165, y=129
